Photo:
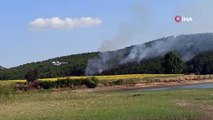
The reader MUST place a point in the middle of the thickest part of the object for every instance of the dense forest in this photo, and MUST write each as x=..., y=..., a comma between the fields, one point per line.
x=170, y=63
x=200, y=64
x=75, y=66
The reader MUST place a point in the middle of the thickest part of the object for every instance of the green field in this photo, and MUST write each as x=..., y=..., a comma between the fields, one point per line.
x=123, y=105
x=68, y=104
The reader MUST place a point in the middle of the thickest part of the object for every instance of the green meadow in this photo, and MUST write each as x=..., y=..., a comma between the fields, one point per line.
x=120, y=105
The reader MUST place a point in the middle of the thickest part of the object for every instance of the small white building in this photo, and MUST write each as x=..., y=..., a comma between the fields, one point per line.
x=57, y=63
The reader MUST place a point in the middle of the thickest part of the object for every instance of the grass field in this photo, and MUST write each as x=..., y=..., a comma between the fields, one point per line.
x=70, y=105
x=67, y=104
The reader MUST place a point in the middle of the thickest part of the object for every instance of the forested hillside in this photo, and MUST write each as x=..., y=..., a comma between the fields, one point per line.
x=200, y=64
x=182, y=54
x=75, y=66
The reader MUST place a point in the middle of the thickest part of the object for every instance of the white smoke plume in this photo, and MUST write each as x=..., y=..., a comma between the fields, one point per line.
x=186, y=46
x=153, y=23
x=125, y=34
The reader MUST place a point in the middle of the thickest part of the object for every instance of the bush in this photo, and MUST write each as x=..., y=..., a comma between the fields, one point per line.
x=91, y=82
x=118, y=82
x=67, y=82
x=63, y=83
x=47, y=84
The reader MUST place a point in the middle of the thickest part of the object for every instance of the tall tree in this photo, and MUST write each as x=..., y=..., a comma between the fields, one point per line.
x=173, y=64
x=32, y=75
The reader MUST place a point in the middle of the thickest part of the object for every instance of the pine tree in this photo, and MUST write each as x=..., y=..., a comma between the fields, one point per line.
x=173, y=64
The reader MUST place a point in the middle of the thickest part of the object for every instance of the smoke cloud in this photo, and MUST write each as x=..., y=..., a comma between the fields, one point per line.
x=127, y=31
x=152, y=23
x=125, y=34
x=186, y=46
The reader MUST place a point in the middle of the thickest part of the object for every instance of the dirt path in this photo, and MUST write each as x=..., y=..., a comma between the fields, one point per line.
x=141, y=85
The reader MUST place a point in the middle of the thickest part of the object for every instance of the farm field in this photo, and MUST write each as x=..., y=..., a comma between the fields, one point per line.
x=97, y=104
x=125, y=105
x=117, y=77
x=101, y=78
x=112, y=82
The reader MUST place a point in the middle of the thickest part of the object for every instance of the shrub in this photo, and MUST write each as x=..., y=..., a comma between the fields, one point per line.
x=91, y=82
x=47, y=84
x=67, y=82
x=61, y=83
x=118, y=82
x=64, y=83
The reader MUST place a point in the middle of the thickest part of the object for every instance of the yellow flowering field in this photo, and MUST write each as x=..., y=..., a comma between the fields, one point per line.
x=116, y=77
x=104, y=77
x=6, y=82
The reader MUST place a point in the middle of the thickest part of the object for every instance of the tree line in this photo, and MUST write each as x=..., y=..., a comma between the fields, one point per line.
x=171, y=63
x=76, y=65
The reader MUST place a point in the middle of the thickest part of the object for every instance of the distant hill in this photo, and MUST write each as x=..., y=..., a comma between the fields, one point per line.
x=194, y=49
x=186, y=46
x=75, y=65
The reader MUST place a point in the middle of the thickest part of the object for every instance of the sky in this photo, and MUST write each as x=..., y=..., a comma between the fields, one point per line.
x=36, y=30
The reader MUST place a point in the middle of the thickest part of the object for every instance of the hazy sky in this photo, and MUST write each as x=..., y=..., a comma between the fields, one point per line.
x=35, y=30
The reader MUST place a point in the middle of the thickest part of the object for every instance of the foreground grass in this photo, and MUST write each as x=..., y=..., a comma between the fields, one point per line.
x=67, y=105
